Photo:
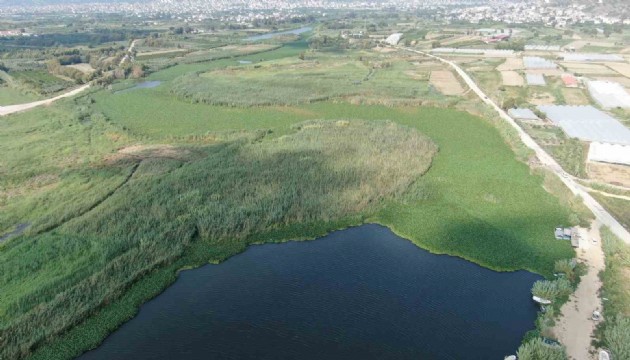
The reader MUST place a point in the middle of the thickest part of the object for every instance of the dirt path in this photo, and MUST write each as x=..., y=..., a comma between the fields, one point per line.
x=575, y=327
x=6, y=110
x=622, y=197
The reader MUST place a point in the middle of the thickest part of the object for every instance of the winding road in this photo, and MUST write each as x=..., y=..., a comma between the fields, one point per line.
x=6, y=110
x=10, y=109
x=545, y=159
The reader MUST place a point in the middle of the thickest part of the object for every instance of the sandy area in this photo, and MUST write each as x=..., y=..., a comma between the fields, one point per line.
x=609, y=173
x=575, y=327
x=511, y=64
x=512, y=78
x=446, y=82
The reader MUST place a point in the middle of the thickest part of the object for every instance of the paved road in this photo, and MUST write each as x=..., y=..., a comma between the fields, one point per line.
x=600, y=213
x=6, y=110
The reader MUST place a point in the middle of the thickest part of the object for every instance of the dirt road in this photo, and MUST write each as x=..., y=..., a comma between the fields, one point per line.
x=128, y=54
x=575, y=328
x=6, y=110
x=545, y=159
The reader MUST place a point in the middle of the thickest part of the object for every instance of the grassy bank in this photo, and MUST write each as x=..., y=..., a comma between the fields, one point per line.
x=614, y=333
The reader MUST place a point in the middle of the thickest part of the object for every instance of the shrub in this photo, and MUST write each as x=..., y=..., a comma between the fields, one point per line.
x=537, y=349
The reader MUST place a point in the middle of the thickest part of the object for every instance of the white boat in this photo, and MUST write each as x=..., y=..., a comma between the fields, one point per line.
x=541, y=300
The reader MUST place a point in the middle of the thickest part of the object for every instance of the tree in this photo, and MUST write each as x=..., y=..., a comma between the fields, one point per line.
x=137, y=71
x=436, y=44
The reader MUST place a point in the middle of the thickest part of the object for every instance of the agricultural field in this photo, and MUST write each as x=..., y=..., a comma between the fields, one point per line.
x=575, y=96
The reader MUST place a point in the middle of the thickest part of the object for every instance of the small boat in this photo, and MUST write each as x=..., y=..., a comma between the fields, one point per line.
x=541, y=300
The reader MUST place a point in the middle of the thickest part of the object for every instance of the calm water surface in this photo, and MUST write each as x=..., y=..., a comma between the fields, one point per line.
x=271, y=35
x=360, y=293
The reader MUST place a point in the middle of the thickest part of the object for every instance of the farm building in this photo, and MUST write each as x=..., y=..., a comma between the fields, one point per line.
x=609, y=153
x=535, y=79
x=587, y=123
x=609, y=94
x=569, y=80
x=535, y=62
x=523, y=114
x=394, y=39
x=582, y=57
x=542, y=47
x=571, y=234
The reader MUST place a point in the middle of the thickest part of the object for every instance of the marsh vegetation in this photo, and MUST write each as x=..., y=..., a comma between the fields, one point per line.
x=124, y=190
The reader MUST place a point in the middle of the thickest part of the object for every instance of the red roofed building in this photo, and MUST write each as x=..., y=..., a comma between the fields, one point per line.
x=569, y=80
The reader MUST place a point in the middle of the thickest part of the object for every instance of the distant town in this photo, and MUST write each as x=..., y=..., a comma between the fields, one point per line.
x=246, y=12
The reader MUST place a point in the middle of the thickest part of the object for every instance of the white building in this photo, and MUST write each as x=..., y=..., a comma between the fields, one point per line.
x=394, y=39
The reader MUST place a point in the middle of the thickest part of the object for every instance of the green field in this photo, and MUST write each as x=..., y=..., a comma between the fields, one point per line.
x=121, y=190
x=41, y=82
x=11, y=96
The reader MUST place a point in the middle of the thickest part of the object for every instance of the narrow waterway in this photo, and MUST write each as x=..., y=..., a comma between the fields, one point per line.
x=360, y=293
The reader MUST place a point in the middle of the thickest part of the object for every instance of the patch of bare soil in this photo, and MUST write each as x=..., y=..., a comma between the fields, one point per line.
x=446, y=82
x=512, y=78
x=511, y=64
x=142, y=152
x=609, y=173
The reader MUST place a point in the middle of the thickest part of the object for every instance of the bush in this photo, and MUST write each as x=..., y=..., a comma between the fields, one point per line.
x=566, y=267
x=538, y=350
x=551, y=290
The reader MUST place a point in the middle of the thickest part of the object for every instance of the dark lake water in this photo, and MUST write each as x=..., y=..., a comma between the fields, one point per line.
x=271, y=35
x=360, y=293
